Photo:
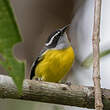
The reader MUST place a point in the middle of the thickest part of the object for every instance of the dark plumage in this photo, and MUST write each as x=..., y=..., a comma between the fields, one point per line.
x=53, y=39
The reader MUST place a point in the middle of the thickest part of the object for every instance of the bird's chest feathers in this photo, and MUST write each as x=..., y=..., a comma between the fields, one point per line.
x=59, y=58
x=56, y=63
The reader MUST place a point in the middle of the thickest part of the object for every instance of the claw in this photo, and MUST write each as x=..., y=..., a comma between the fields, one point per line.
x=38, y=79
x=68, y=83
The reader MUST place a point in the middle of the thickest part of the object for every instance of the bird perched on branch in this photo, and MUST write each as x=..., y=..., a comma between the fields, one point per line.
x=55, y=60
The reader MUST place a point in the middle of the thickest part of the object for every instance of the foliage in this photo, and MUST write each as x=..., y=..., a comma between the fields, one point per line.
x=9, y=36
x=89, y=60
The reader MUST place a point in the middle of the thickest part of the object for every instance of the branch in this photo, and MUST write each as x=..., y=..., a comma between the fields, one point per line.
x=96, y=59
x=80, y=96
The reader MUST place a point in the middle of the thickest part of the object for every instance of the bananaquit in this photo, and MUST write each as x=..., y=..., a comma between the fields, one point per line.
x=56, y=58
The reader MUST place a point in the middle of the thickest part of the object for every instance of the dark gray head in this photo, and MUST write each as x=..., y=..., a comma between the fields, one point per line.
x=58, y=39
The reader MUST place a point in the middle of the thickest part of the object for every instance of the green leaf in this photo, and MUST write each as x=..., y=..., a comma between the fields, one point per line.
x=9, y=36
x=89, y=60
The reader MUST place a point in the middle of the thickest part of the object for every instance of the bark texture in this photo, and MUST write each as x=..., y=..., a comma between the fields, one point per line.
x=96, y=58
x=80, y=96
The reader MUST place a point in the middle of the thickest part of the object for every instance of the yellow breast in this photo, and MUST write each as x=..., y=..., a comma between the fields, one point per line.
x=55, y=64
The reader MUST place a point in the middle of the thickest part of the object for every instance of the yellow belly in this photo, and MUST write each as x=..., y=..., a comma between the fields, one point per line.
x=55, y=64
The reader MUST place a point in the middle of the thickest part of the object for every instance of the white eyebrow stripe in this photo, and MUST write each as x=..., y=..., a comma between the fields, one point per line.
x=47, y=44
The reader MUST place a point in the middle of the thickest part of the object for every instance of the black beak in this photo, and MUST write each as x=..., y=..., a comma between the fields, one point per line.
x=64, y=28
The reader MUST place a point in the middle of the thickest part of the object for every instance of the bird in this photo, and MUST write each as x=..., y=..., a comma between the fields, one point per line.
x=55, y=59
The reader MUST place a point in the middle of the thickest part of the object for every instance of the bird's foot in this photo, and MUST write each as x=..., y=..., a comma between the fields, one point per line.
x=68, y=83
x=38, y=79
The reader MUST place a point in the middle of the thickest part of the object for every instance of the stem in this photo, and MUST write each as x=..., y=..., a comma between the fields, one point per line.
x=89, y=59
x=96, y=59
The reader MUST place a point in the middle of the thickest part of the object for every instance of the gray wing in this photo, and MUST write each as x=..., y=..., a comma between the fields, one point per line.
x=36, y=62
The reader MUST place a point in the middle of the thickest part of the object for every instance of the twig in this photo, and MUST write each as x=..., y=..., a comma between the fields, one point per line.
x=80, y=96
x=88, y=61
x=96, y=59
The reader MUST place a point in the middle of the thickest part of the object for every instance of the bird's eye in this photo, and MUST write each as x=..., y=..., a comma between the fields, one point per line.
x=53, y=38
x=50, y=37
